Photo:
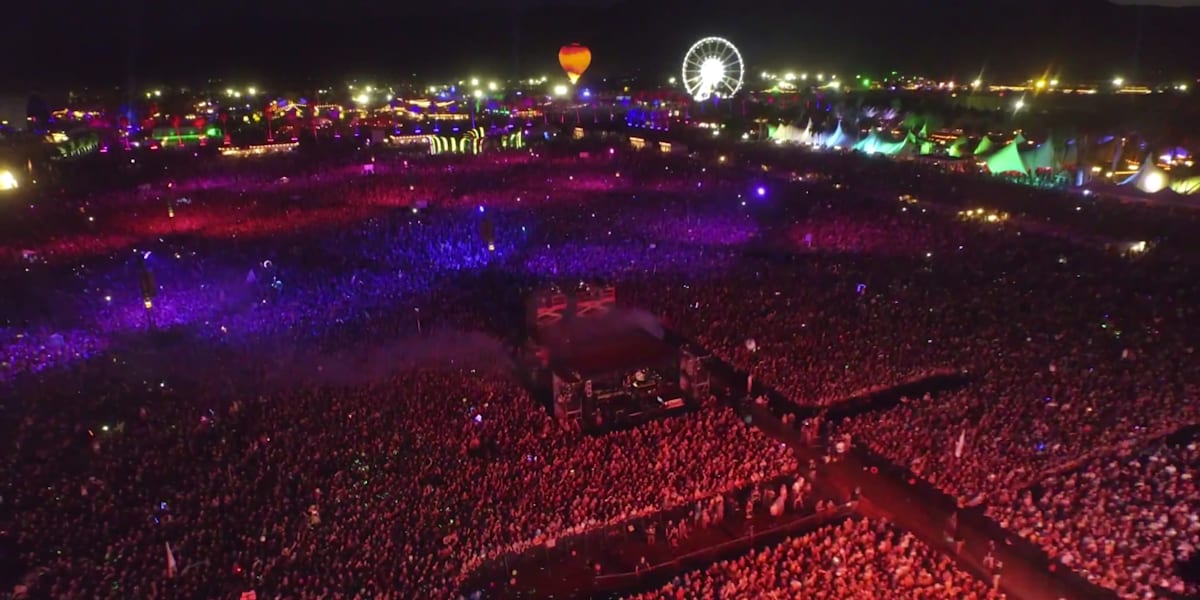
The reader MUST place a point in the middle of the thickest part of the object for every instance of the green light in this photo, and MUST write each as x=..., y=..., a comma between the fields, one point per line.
x=866, y=83
x=190, y=137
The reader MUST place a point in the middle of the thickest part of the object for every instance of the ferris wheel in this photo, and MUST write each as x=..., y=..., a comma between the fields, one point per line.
x=712, y=67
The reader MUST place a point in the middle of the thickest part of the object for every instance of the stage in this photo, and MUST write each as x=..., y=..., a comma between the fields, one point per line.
x=607, y=366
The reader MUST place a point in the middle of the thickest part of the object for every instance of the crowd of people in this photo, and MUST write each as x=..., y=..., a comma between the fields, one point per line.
x=1126, y=521
x=424, y=475
x=859, y=558
x=304, y=421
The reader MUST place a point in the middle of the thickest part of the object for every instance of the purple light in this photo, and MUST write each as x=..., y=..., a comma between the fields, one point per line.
x=481, y=208
x=762, y=191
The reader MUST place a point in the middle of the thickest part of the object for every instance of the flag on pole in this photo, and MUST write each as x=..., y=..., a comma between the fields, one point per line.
x=958, y=448
x=172, y=569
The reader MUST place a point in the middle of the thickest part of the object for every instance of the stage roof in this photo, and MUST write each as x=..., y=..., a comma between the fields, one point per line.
x=628, y=349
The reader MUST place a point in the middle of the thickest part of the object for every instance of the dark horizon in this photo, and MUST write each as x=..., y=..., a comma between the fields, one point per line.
x=319, y=41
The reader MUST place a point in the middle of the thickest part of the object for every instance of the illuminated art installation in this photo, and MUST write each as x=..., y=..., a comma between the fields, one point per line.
x=712, y=67
x=512, y=141
x=469, y=143
x=574, y=60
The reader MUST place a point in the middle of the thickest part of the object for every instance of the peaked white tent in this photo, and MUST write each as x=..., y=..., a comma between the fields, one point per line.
x=1148, y=178
x=838, y=139
x=790, y=134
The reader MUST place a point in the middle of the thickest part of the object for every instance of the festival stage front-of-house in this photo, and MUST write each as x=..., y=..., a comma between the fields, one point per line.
x=607, y=366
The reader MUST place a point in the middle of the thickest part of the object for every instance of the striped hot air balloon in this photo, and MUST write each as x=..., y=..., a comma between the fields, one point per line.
x=574, y=60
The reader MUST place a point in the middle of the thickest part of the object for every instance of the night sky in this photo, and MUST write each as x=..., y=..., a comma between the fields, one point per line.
x=72, y=42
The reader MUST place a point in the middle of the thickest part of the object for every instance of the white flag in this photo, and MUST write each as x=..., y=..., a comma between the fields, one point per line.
x=171, y=567
x=958, y=448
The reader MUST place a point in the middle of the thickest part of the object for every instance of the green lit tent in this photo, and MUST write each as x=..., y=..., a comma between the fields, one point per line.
x=984, y=147
x=877, y=144
x=866, y=144
x=1006, y=160
x=1040, y=158
x=955, y=149
x=1018, y=140
x=924, y=133
x=1186, y=187
x=927, y=147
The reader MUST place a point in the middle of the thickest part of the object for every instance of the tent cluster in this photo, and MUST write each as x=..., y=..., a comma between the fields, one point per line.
x=1015, y=156
x=1150, y=178
x=1049, y=163
x=790, y=134
x=1022, y=157
x=876, y=142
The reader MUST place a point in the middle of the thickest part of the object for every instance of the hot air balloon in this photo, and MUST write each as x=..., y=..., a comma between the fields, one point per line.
x=574, y=60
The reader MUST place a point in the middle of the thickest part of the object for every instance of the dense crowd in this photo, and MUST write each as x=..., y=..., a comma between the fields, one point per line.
x=425, y=474
x=857, y=559
x=1124, y=521
x=314, y=429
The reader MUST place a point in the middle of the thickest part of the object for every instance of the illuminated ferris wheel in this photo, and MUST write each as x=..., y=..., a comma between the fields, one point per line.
x=712, y=67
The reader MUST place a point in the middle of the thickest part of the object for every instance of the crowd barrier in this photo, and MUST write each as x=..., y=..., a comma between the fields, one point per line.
x=659, y=574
